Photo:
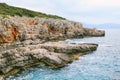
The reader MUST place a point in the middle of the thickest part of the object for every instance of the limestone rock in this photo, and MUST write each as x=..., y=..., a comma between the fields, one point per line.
x=93, y=32
x=24, y=41
x=24, y=28
x=55, y=54
x=19, y=57
x=63, y=47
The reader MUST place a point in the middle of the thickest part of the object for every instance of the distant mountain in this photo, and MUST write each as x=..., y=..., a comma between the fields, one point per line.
x=12, y=11
x=103, y=26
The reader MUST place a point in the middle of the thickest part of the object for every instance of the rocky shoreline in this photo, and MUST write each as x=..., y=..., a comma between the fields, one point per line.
x=27, y=41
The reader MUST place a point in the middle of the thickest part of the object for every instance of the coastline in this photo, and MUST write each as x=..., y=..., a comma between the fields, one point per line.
x=24, y=41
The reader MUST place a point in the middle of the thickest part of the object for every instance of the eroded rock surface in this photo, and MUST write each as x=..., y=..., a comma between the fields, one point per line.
x=63, y=47
x=55, y=54
x=24, y=41
x=24, y=28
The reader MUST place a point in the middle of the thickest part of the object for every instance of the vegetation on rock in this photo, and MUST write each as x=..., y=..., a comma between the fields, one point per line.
x=13, y=11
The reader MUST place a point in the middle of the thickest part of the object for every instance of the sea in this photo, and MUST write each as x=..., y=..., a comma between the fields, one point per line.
x=102, y=64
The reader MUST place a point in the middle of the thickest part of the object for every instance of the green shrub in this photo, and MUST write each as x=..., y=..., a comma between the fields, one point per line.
x=5, y=16
x=12, y=11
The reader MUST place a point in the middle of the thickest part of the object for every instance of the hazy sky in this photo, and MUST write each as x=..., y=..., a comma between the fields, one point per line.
x=86, y=11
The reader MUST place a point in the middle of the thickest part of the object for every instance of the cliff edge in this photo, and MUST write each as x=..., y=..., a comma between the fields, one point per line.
x=24, y=28
x=26, y=41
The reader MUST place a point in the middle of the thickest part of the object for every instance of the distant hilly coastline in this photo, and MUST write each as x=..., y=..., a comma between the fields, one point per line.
x=5, y=9
x=103, y=26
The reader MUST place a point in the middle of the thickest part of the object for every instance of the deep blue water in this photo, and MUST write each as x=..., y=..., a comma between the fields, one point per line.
x=102, y=64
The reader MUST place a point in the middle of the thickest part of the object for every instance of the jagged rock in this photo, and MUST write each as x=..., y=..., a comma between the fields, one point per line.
x=24, y=28
x=55, y=54
x=21, y=56
x=93, y=32
x=63, y=47
x=24, y=41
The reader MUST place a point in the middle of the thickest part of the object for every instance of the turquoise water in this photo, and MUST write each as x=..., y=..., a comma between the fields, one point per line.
x=102, y=64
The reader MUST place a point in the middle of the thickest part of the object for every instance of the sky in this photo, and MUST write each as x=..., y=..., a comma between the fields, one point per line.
x=85, y=11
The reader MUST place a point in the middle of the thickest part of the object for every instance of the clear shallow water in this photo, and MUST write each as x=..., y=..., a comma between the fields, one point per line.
x=102, y=64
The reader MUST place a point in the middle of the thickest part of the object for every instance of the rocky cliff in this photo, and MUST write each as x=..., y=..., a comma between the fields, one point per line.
x=24, y=28
x=26, y=41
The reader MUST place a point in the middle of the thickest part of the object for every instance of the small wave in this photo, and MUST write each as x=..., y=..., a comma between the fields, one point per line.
x=75, y=42
x=104, y=45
